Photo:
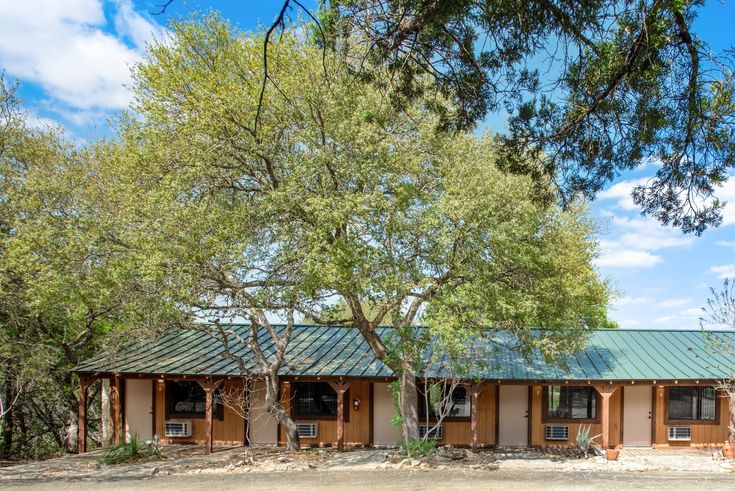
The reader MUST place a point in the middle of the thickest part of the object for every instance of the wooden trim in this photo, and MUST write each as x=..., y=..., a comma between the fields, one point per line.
x=116, y=410
x=123, y=409
x=497, y=415
x=546, y=419
x=246, y=384
x=622, y=415
x=530, y=415
x=168, y=414
x=654, y=436
x=690, y=422
x=153, y=407
x=308, y=417
x=278, y=423
x=371, y=421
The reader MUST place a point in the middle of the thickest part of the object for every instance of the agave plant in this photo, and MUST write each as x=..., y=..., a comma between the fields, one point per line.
x=585, y=442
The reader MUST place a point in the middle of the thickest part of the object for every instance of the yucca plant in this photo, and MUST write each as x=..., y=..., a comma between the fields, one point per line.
x=585, y=442
x=128, y=452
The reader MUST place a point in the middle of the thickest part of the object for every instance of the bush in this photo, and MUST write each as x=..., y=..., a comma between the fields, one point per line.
x=419, y=447
x=129, y=452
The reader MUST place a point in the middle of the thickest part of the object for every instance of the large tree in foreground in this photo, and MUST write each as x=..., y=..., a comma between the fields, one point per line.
x=368, y=202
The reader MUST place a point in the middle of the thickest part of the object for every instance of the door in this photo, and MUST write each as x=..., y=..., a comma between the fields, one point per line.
x=139, y=409
x=637, y=416
x=513, y=415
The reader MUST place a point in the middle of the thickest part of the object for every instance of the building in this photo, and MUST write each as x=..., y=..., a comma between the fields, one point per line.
x=637, y=387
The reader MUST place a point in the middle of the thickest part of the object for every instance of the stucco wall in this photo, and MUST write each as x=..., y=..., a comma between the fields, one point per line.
x=263, y=427
x=138, y=409
x=384, y=433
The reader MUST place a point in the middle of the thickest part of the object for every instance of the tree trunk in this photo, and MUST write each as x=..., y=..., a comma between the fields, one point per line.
x=72, y=431
x=106, y=415
x=274, y=407
x=7, y=423
x=408, y=402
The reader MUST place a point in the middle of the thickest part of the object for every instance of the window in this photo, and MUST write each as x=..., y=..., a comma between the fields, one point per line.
x=564, y=402
x=455, y=406
x=317, y=400
x=186, y=399
x=692, y=403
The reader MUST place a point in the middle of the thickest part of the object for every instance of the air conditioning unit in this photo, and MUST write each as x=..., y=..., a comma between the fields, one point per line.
x=435, y=433
x=307, y=430
x=556, y=432
x=680, y=433
x=178, y=429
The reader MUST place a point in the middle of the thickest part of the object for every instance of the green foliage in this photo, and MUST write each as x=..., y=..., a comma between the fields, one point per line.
x=129, y=452
x=617, y=83
x=417, y=447
x=585, y=441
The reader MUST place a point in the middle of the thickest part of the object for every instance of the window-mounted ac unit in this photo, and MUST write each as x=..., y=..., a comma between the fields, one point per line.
x=178, y=429
x=680, y=433
x=307, y=430
x=435, y=433
x=557, y=432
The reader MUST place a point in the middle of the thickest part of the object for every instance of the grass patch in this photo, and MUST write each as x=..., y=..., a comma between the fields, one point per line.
x=129, y=452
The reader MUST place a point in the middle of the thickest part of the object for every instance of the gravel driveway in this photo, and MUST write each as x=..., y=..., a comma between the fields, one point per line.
x=402, y=480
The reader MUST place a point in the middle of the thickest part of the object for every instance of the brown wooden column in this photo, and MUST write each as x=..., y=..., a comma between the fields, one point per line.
x=82, y=414
x=208, y=387
x=340, y=388
x=606, y=391
x=731, y=411
x=116, y=410
x=475, y=390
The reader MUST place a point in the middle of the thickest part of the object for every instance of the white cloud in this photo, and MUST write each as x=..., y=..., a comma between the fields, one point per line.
x=725, y=243
x=630, y=301
x=727, y=193
x=724, y=271
x=664, y=319
x=675, y=302
x=63, y=47
x=621, y=192
x=628, y=259
x=692, y=312
x=629, y=323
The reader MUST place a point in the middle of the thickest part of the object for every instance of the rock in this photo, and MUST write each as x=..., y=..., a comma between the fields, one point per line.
x=311, y=465
x=717, y=455
x=415, y=462
x=231, y=467
x=322, y=454
x=154, y=471
x=283, y=460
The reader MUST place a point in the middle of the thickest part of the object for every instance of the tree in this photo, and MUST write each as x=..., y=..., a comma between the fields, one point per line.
x=342, y=196
x=591, y=88
x=720, y=313
x=66, y=286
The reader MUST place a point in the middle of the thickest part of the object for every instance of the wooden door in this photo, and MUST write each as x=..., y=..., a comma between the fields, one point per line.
x=513, y=416
x=637, y=416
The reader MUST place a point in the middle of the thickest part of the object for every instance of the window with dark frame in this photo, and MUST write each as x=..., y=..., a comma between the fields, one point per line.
x=692, y=403
x=187, y=399
x=570, y=402
x=456, y=406
x=317, y=400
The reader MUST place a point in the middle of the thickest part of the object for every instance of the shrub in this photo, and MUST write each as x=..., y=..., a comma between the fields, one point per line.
x=585, y=442
x=418, y=447
x=129, y=452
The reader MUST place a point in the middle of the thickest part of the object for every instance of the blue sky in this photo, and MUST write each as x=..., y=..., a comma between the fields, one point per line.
x=72, y=59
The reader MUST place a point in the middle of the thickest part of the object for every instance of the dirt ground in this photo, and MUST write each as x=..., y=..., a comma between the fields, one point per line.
x=187, y=467
x=402, y=480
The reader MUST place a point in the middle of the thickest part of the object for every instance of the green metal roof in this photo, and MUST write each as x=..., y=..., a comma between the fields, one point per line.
x=610, y=354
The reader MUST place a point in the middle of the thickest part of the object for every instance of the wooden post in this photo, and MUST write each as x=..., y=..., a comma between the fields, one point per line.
x=475, y=390
x=82, y=415
x=116, y=410
x=208, y=387
x=606, y=391
x=340, y=388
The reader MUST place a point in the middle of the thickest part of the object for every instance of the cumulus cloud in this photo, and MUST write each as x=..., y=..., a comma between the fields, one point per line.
x=724, y=271
x=628, y=259
x=675, y=302
x=63, y=47
x=692, y=312
x=664, y=319
x=621, y=193
x=621, y=301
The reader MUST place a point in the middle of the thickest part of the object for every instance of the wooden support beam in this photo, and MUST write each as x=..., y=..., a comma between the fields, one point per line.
x=475, y=390
x=340, y=388
x=606, y=392
x=82, y=414
x=208, y=386
x=116, y=411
